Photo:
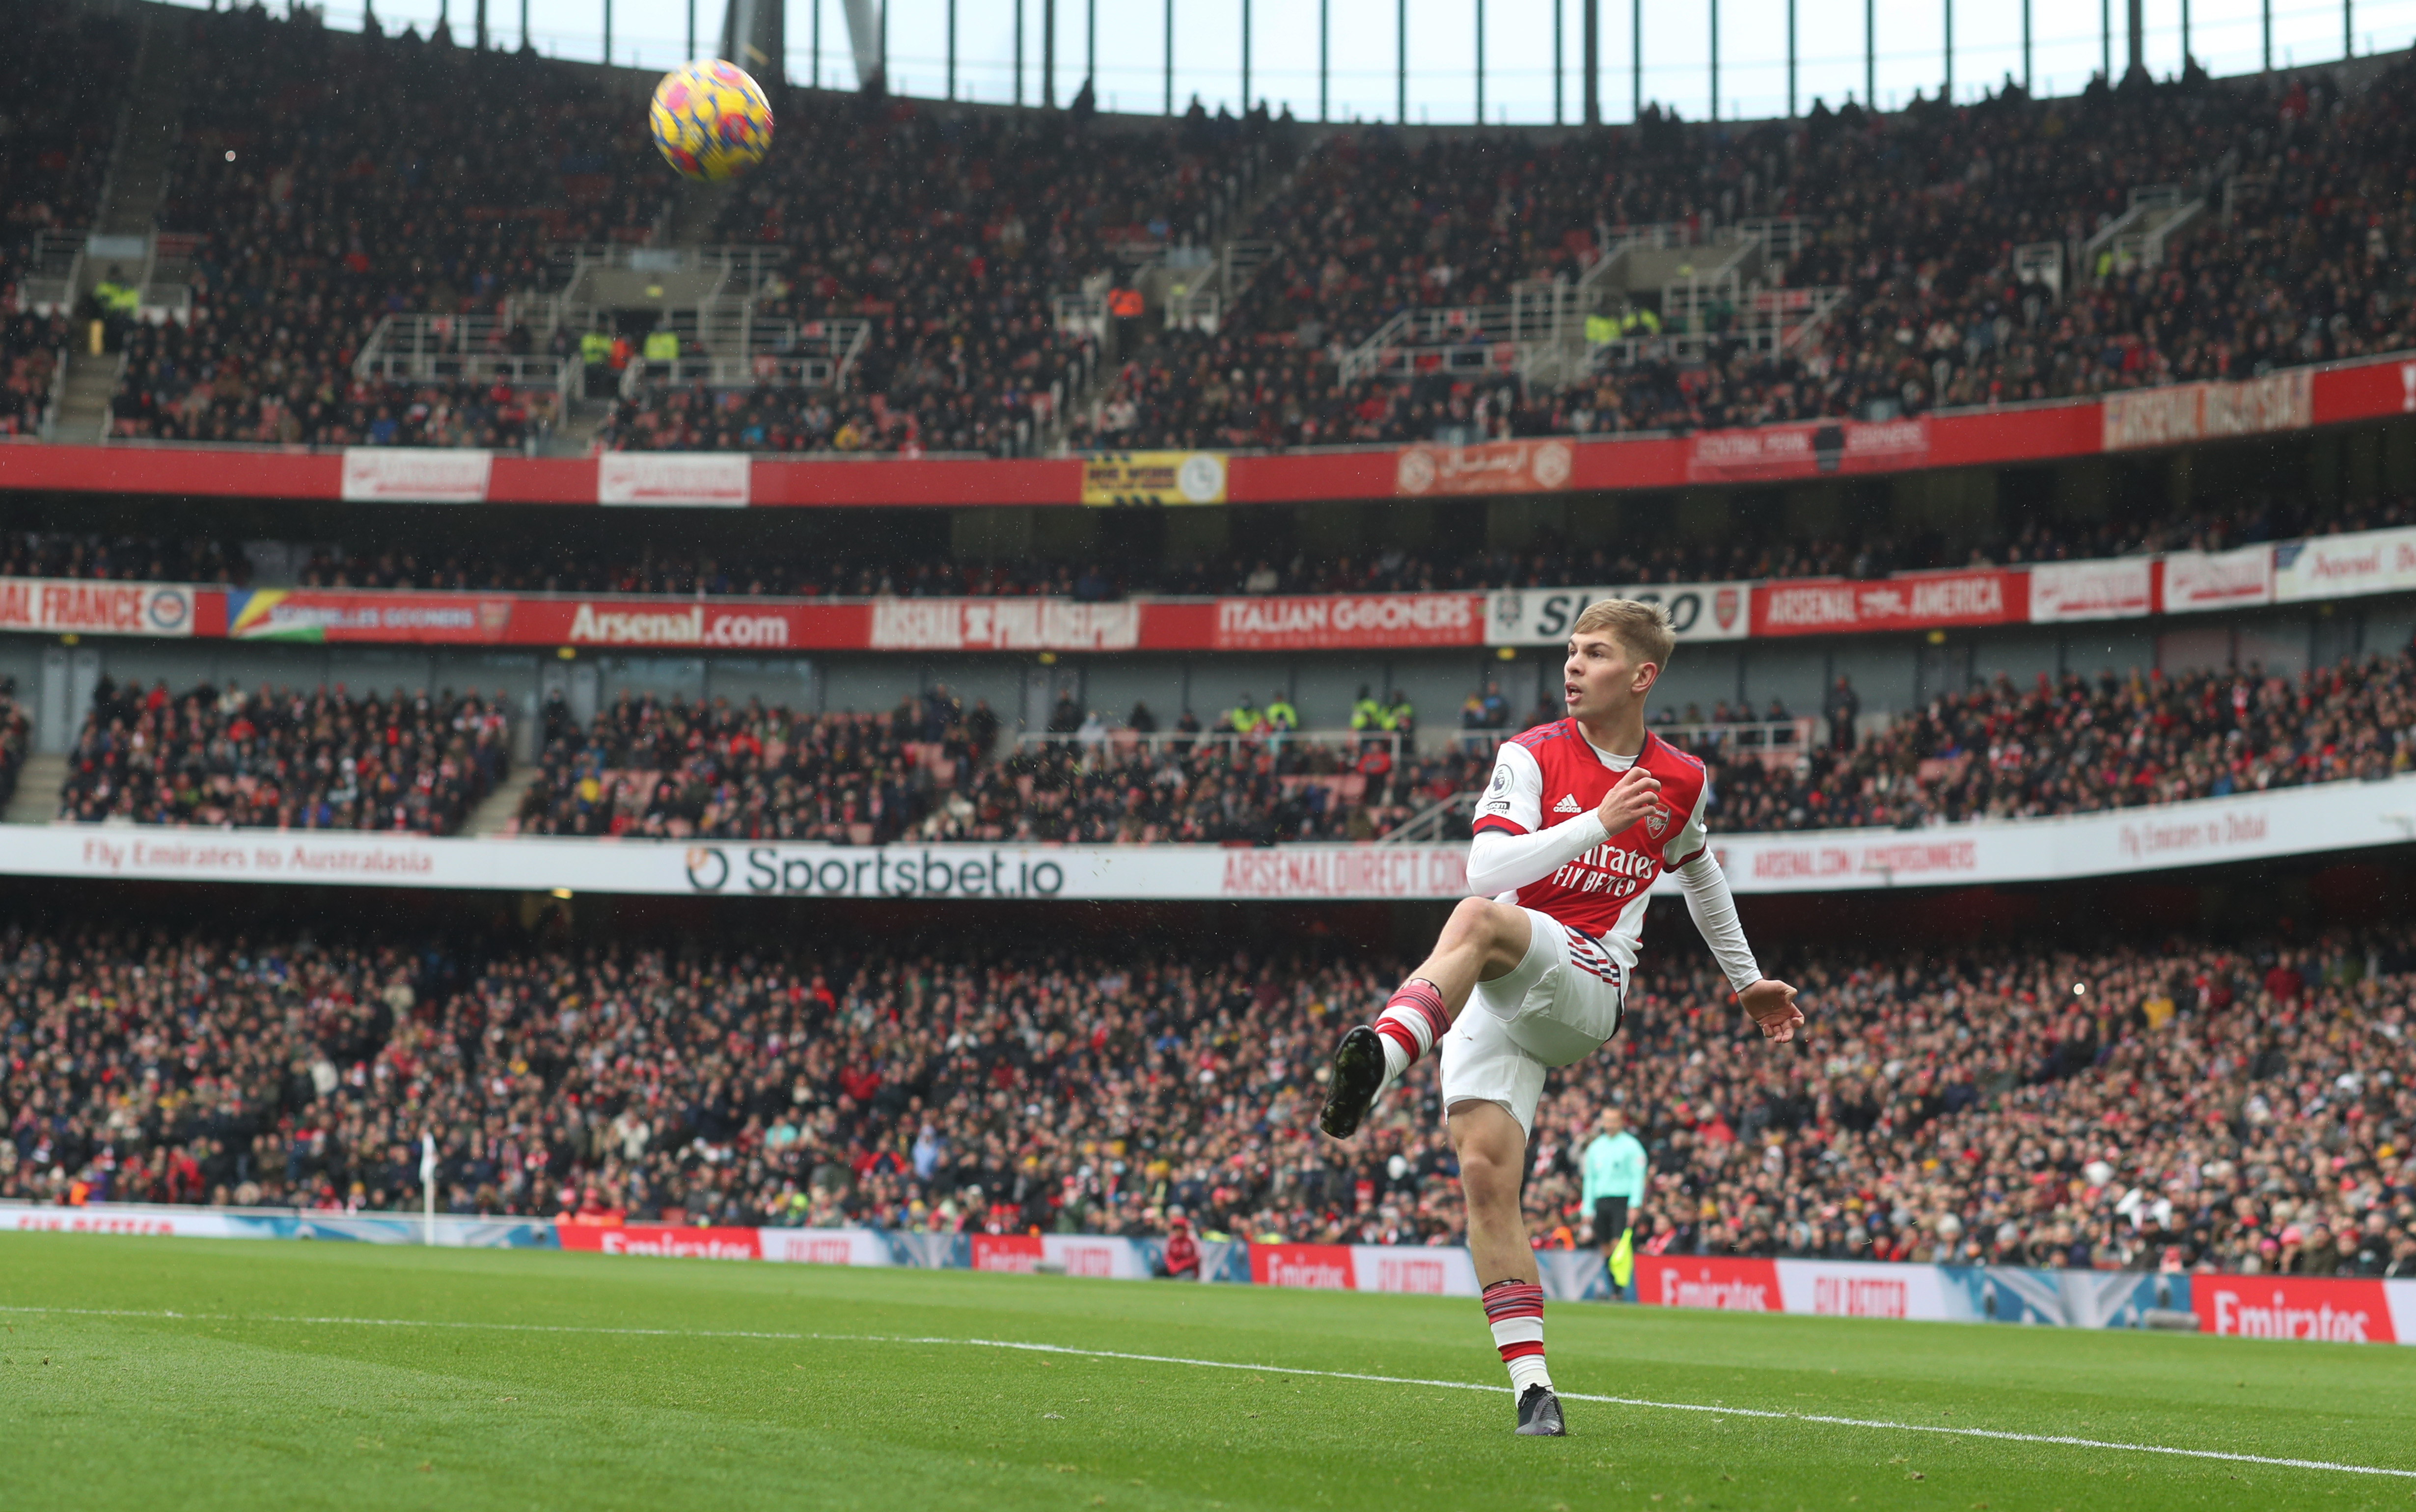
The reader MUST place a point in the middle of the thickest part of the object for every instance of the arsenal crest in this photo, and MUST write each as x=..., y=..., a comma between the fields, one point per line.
x=1657, y=821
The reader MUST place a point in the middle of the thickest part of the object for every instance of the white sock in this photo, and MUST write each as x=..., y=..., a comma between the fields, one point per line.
x=1409, y=1026
x=1515, y=1309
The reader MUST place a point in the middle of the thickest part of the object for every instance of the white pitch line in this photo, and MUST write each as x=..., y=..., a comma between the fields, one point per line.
x=1825, y=1419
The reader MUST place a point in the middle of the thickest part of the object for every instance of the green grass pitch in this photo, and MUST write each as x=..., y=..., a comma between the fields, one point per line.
x=197, y=1374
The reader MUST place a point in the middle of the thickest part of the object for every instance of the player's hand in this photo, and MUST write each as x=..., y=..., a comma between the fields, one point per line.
x=1772, y=1006
x=1636, y=794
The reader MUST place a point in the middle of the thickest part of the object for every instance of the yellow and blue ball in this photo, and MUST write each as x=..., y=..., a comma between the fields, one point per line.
x=711, y=120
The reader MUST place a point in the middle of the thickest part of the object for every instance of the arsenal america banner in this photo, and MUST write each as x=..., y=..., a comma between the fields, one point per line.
x=1921, y=601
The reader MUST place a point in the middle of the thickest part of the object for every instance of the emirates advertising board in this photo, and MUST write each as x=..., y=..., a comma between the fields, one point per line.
x=2328, y=1309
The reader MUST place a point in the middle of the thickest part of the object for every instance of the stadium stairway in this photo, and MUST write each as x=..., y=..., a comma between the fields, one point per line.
x=130, y=196
x=495, y=811
x=36, y=798
x=138, y=167
x=1234, y=261
x=84, y=407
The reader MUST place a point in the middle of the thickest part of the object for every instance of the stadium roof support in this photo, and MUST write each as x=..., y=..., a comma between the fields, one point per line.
x=754, y=35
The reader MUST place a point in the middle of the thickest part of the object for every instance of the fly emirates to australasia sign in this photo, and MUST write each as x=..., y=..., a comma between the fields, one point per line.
x=2332, y=816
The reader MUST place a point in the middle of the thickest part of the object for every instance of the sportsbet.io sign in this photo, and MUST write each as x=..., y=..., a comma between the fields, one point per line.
x=771, y=871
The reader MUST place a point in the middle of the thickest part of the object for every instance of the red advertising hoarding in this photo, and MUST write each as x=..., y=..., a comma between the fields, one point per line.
x=665, y=1241
x=2334, y=1310
x=2368, y=389
x=1320, y=1266
x=1925, y=600
x=1709, y=1281
x=1321, y=622
x=1016, y=1254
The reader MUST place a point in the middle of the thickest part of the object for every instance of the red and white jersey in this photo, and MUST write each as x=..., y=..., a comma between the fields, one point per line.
x=1552, y=774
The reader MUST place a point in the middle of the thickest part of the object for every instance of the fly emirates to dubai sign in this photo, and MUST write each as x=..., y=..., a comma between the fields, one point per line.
x=2333, y=816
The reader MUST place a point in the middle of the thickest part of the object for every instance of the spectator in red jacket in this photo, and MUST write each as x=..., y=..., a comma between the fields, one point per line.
x=1182, y=1252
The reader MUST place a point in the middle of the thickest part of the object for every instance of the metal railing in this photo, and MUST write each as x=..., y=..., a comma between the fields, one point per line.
x=812, y=355
x=2041, y=264
x=748, y=263
x=1440, y=822
x=47, y=280
x=457, y=349
x=1127, y=741
x=1790, y=737
x=60, y=357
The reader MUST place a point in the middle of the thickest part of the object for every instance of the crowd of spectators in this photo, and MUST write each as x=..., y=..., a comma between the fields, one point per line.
x=932, y=770
x=332, y=180
x=16, y=739
x=2235, y=1106
x=1649, y=552
x=2079, y=745
x=928, y=770
x=61, y=83
x=30, y=345
x=950, y=231
x=60, y=78
x=336, y=180
x=285, y=758
x=1912, y=217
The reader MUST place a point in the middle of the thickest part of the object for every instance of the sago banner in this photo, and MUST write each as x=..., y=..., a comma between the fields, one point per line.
x=1544, y=616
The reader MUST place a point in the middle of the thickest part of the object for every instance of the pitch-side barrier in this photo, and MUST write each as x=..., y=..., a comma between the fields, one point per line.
x=2326, y=818
x=2336, y=1310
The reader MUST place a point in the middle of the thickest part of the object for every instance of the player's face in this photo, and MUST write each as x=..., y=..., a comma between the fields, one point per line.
x=1600, y=679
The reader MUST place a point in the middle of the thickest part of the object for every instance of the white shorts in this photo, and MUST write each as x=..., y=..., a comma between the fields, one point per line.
x=1560, y=1005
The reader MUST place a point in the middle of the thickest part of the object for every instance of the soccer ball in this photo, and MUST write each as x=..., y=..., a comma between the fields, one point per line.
x=710, y=119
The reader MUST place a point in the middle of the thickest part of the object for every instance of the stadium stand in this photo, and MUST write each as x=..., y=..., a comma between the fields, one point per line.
x=222, y=757
x=1996, y=750
x=1849, y=263
x=2246, y=1106
x=307, y=239
x=1903, y=236
x=931, y=769
x=51, y=164
x=1649, y=551
x=926, y=771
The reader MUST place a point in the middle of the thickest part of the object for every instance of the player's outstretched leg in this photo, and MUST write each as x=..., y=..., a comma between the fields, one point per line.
x=1484, y=939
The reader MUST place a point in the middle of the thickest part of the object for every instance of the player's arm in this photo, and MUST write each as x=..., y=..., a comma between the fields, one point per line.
x=1510, y=850
x=1713, y=907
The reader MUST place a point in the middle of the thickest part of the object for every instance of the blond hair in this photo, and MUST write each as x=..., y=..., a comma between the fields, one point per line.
x=1643, y=630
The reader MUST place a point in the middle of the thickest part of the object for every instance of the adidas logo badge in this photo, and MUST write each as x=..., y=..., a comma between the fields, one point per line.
x=1568, y=804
